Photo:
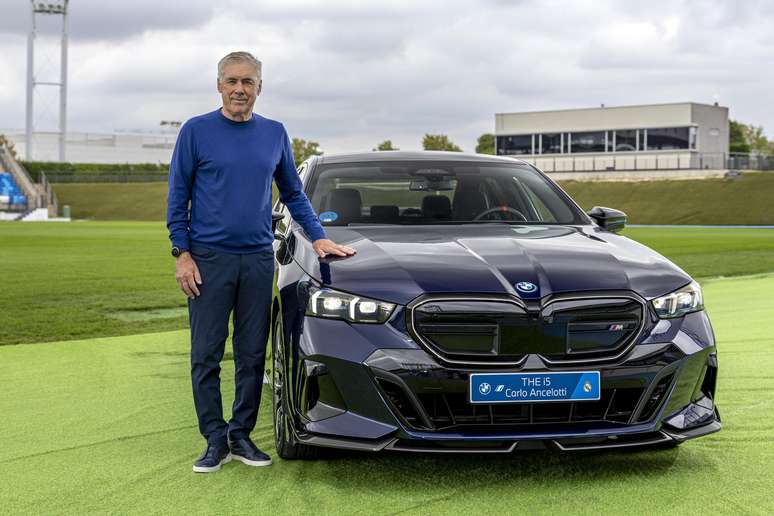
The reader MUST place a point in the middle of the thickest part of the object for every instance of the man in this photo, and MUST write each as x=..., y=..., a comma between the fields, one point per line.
x=223, y=164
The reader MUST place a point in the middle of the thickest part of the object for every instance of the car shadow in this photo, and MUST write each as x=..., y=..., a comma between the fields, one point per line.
x=355, y=470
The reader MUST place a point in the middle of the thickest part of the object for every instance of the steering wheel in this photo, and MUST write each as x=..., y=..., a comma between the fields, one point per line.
x=501, y=209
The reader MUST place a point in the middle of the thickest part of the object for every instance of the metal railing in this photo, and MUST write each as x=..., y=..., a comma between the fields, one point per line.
x=107, y=177
x=48, y=192
x=634, y=161
x=743, y=161
x=40, y=195
x=21, y=178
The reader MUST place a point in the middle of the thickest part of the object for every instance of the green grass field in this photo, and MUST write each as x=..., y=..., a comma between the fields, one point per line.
x=99, y=416
x=107, y=426
x=702, y=201
x=91, y=279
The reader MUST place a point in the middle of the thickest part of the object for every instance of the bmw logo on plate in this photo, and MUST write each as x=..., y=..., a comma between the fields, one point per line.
x=484, y=388
x=526, y=287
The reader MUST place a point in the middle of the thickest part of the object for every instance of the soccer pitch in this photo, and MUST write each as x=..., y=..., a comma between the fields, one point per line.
x=107, y=424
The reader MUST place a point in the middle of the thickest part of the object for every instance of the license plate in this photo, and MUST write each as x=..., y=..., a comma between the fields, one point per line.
x=534, y=387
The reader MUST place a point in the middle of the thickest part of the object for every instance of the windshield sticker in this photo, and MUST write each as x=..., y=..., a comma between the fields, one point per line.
x=328, y=216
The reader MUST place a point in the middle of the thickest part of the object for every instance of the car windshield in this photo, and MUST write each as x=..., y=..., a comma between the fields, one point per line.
x=428, y=192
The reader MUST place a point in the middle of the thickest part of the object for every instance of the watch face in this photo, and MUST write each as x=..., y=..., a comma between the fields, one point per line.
x=175, y=252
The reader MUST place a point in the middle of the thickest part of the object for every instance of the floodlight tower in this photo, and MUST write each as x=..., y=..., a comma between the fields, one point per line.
x=56, y=8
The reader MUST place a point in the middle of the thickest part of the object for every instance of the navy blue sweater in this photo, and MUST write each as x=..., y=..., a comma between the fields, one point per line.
x=225, y=168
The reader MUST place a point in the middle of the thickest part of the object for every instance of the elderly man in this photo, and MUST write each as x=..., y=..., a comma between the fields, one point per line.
x=223, y=165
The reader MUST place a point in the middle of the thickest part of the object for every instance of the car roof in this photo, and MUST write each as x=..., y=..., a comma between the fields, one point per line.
x=357, y=157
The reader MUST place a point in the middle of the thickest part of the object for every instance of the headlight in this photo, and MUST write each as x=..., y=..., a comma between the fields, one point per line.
x=680, y=302
x=324, y=302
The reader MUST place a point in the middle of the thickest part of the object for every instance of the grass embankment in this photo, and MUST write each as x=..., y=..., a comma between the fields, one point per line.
x=89, y=279
x=108, y=426
x=747, y=200
x=114, y=201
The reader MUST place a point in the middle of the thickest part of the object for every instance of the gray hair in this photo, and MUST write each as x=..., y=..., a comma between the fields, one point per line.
x=239, y=57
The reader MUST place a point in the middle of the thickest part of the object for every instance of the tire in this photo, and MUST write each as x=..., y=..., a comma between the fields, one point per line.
x=284, y=439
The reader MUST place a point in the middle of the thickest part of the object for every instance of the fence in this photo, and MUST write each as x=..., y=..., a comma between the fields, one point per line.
x=106, y=177
x=649, y=161
x=558, y=163
x=741, y=161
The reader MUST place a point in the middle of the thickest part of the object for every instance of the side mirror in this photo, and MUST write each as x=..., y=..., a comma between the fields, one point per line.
x=276, y=217
x=608, y=218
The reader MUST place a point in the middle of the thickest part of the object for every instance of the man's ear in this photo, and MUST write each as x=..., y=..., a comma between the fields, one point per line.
x=217, y=81
x=258, y=89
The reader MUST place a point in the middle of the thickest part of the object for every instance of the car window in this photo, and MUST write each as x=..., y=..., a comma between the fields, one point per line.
x=394, y=192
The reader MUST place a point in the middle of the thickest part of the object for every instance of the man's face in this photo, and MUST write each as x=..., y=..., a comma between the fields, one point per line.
x=239, y=88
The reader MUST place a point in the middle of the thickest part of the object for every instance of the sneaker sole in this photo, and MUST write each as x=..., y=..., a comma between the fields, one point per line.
x=254, y=463
x=212, y=469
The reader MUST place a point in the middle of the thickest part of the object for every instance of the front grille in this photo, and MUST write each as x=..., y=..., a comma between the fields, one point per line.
x=496, y=330
x=447, y=410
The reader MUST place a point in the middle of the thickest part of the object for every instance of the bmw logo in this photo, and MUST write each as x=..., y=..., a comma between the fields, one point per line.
x=485, y=388
x=526, y=287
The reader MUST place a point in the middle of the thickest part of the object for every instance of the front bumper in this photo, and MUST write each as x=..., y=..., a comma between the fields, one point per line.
x=371, y=387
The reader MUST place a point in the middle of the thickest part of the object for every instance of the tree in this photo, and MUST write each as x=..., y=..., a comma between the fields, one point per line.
x=748, y=138
x=756, y=139
x=439, y=142
x=737, y=141
x=486, y=144
x=302, y=149
x=385, y=146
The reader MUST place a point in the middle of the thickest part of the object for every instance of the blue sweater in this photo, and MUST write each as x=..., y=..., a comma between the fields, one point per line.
x=225, y=168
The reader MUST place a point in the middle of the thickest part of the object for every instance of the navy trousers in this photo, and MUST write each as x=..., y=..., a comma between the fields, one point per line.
x=242, y=284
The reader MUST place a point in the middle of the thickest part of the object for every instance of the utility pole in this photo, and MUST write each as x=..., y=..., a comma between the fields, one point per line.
x=56, y=8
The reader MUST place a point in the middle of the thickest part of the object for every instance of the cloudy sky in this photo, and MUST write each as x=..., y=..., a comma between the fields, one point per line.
x=351, y=74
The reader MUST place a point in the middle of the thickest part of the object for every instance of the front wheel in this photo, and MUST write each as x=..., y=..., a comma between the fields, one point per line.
x=284, y=441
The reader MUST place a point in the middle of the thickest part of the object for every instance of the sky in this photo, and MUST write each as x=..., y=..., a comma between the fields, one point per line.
x=352, y=74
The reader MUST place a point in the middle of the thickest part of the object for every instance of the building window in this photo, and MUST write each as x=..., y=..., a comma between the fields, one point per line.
x=517, y=144
x=551, y=144
x=668, y=138
x=626, y=140
x=588, y=142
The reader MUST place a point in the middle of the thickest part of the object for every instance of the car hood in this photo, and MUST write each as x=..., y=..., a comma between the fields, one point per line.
x=399, y=263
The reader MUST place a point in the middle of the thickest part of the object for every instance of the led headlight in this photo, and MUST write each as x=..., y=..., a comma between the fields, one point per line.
x=324, y=302
x=680, y=302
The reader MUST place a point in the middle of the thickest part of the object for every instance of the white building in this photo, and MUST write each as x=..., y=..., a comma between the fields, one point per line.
x=648, y=137
x=118, y=147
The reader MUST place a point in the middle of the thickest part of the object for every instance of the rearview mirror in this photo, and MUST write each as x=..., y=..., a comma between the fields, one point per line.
x=608, y=218
x=431, y=185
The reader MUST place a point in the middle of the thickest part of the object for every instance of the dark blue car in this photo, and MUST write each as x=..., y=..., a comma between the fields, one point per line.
x=483, y=312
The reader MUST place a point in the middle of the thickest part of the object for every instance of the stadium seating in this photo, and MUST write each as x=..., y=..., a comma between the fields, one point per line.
x=10, y=194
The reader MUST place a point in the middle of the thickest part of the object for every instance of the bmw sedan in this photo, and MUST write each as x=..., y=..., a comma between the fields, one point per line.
x=484, y=312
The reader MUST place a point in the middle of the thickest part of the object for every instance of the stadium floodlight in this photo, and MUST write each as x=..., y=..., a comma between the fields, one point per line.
x=58, y=8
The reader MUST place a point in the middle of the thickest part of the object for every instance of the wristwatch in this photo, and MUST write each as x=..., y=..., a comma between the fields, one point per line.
x=176, y=251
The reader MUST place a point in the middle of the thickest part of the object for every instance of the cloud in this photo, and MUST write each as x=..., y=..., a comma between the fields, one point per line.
x=110, y=19
x=351, y=74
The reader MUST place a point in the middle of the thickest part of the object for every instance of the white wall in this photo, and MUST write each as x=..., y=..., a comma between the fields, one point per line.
x=98, y=147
